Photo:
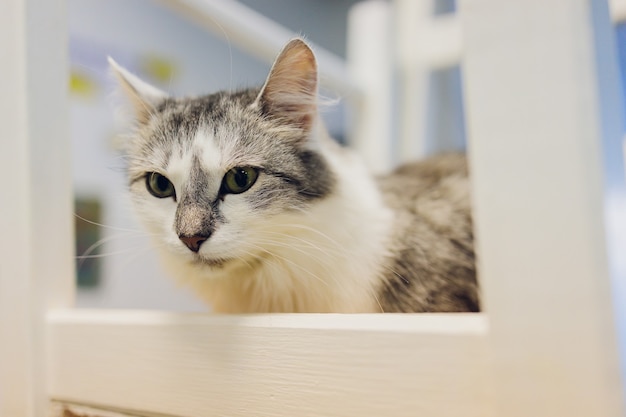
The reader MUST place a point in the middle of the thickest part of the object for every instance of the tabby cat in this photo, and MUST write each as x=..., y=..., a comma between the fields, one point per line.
x=257, y=209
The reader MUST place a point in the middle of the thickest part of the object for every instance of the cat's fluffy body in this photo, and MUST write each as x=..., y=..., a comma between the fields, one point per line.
x=315, y=232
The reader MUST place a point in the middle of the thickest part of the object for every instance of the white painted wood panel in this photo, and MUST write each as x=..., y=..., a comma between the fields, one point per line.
x=536, y=118
x=17, y=393
x=50, y=158
x=36, y=238
x=278, y=365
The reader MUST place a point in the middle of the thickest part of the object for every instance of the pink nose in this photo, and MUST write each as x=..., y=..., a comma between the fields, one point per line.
x=193, y=242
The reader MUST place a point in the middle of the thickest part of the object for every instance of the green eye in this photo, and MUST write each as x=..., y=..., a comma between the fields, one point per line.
x=159, y=186
x=239, y=179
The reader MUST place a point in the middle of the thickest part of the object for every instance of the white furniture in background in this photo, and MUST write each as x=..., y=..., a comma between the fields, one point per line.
x=538, y=77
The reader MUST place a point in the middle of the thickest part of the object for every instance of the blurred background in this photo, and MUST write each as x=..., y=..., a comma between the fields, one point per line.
x=116, y=267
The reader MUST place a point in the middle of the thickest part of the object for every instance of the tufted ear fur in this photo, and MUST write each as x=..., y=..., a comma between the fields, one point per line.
x=290, y=91
x=144, y=97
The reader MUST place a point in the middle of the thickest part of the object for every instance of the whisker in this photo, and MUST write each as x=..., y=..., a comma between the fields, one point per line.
x=121, y=229
x=327, y=262
x=324, y=262
x=144, y=251
x=307, y=242
x=289, y=261
x=108, y=254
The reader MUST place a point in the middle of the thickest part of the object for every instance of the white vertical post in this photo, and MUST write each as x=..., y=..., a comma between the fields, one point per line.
x=36, y=248
x=536, y=116
x=412, y=20
x=369, y=65
x=423, y=43
x=17, y=396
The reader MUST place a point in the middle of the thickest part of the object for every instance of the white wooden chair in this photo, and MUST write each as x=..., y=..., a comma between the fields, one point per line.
x=540, y=93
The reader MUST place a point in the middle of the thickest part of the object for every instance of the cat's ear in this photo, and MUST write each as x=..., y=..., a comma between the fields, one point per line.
x=290, y=91
x=144, y=97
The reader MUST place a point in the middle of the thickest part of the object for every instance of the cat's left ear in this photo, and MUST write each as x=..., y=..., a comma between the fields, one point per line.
x=290, y=91
x=144, y=97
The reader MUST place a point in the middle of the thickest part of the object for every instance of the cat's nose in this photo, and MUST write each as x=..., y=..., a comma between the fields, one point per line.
x=193, y=242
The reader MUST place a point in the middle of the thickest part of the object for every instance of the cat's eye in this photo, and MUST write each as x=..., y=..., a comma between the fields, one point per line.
x=239, y=179
x=159, y=186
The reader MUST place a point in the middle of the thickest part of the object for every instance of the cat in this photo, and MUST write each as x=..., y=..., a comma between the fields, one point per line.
x=258, y=210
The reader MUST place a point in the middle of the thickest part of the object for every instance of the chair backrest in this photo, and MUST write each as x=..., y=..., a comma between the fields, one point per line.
x=539, y=90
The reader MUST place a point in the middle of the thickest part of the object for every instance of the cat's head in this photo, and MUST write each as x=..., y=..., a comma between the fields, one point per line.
x=213, y=176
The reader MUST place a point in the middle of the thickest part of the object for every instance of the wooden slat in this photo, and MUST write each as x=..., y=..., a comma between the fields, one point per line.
x=541, y=95
x=36, y=207
x=17, y=394
x=278, y=365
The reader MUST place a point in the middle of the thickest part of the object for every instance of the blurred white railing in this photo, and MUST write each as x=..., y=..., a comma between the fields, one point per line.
x=260, y=37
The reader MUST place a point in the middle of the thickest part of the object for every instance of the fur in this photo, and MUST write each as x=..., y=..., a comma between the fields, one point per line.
x=315, y=232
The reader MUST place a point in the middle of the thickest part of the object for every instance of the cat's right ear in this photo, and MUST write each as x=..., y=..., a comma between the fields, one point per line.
x=290, y=91
x=144, y=97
